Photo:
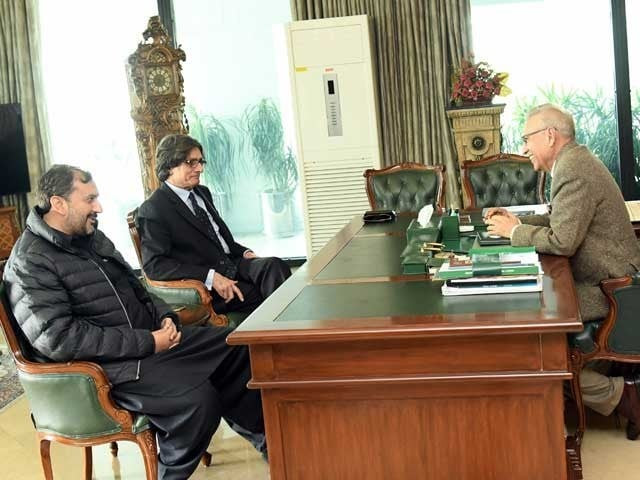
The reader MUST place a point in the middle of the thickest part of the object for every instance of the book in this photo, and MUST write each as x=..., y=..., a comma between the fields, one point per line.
x=492, y=280
x=527, y=286
x=477, y=249
x=633, y=207
x=492, y=270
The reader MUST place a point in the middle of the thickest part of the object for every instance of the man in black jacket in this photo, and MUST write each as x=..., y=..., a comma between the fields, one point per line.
x=75, y=298
x=184, y=237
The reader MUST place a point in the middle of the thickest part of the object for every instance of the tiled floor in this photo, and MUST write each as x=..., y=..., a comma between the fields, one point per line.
x=607, y=454
x=233, y=457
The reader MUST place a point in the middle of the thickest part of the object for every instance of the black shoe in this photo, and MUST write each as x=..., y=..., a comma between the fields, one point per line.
x=629, y=406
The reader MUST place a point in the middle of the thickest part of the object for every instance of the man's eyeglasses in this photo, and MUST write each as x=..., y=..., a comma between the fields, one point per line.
x=192, y=162
x=525, y=137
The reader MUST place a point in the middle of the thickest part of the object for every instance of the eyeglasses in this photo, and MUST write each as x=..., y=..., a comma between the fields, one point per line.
x=192, y=162
x=525, y=137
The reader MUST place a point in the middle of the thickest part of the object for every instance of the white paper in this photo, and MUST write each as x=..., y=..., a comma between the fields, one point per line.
x=424, y=215
x=517, y=210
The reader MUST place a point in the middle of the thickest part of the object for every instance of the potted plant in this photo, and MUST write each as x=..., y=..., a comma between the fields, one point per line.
x=263, y=124
x=477, y=83
x=220, y=172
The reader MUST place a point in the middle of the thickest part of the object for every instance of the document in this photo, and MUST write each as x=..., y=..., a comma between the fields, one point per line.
x=522, y=210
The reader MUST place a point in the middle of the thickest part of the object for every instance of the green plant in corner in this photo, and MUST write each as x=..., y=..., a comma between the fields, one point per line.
x=217, y=140
x=264, y=129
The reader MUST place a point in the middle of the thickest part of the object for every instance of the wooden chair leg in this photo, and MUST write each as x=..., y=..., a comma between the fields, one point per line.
x=577, y=395
x=45, y=458
x=88, y=463
x=113, y=447
x=147, y=443
x=206, y=459
x=574, y=462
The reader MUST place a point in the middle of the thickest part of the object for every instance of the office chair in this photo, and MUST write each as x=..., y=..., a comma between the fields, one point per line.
x=406, y=187
x=502, y=180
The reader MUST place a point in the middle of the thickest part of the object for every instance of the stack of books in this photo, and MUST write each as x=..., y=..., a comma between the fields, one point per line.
x=495, y=269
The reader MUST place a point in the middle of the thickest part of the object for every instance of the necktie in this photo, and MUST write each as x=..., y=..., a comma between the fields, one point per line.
x=203, y=217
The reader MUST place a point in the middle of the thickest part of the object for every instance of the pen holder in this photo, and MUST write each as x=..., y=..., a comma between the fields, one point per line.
x=450, y=227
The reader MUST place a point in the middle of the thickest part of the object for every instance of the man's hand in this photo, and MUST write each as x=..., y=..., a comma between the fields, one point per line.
x=226, y=288
x=500, y=222
x=249, y=254
x=167, y=336
x=495, y=211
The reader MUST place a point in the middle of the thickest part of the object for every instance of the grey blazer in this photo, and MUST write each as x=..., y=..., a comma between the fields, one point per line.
x=588, y=223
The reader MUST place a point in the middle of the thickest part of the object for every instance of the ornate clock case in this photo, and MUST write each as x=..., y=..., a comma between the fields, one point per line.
x=156, y=92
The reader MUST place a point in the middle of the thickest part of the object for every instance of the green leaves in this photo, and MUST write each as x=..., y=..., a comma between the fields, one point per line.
x=263, y=124
x=229, y=143
x=595, y=119
x=221, y=141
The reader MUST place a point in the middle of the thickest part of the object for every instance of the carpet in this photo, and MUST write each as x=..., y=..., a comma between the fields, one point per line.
x=10, y=388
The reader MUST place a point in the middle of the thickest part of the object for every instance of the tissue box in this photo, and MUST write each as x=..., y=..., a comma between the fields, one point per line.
x=418, y=233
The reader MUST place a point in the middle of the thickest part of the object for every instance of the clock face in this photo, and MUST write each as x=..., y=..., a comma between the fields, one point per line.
x=159, y=80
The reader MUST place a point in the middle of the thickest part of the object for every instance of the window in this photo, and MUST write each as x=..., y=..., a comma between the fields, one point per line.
x=572, y=66
x=236, y=93
x=633, y=43
x=88, y=101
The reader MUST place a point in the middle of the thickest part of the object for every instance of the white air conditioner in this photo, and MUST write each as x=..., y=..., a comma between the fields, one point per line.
x=335, y=113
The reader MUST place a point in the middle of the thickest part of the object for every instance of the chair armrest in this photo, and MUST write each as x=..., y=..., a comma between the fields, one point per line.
x=180, y=291
x=185, y=292
x=72, y=399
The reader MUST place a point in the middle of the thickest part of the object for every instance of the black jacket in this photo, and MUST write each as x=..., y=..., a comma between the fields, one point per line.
x=67, y=307
x=175, y=245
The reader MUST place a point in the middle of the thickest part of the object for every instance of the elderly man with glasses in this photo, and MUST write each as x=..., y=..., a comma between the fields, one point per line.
x=588, y=223
x=184, y=237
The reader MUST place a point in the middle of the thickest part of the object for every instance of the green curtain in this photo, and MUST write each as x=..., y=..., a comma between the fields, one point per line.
x=21, y=81
x=417, y=44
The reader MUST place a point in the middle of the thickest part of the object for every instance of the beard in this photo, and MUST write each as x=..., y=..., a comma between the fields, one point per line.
x=82, y=225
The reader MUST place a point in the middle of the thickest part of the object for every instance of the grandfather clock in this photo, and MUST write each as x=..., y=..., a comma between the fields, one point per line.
x=476, y=130
x=156, y=93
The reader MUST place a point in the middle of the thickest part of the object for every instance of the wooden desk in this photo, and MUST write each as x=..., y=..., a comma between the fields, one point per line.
x=370, y=374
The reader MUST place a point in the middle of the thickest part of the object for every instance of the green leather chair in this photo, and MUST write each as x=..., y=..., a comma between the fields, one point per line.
x=189, y=298
x=70, y=404
x=502, y=180
x=616, y=338
x=406, y=187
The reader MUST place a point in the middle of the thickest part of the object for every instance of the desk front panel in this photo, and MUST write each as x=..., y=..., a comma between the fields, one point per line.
x=465, y=430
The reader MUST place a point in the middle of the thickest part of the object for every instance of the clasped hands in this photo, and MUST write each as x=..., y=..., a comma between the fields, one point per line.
x=500, y=221
x=167, y=336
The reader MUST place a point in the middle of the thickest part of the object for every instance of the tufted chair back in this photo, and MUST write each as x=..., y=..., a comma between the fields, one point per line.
x=502, y=180
x=406, y=187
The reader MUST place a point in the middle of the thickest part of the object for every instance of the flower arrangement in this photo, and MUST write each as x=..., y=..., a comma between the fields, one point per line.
x=477, y=82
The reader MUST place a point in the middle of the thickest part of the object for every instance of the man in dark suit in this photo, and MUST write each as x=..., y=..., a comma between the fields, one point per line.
x=183, y=235
x=589, y=224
